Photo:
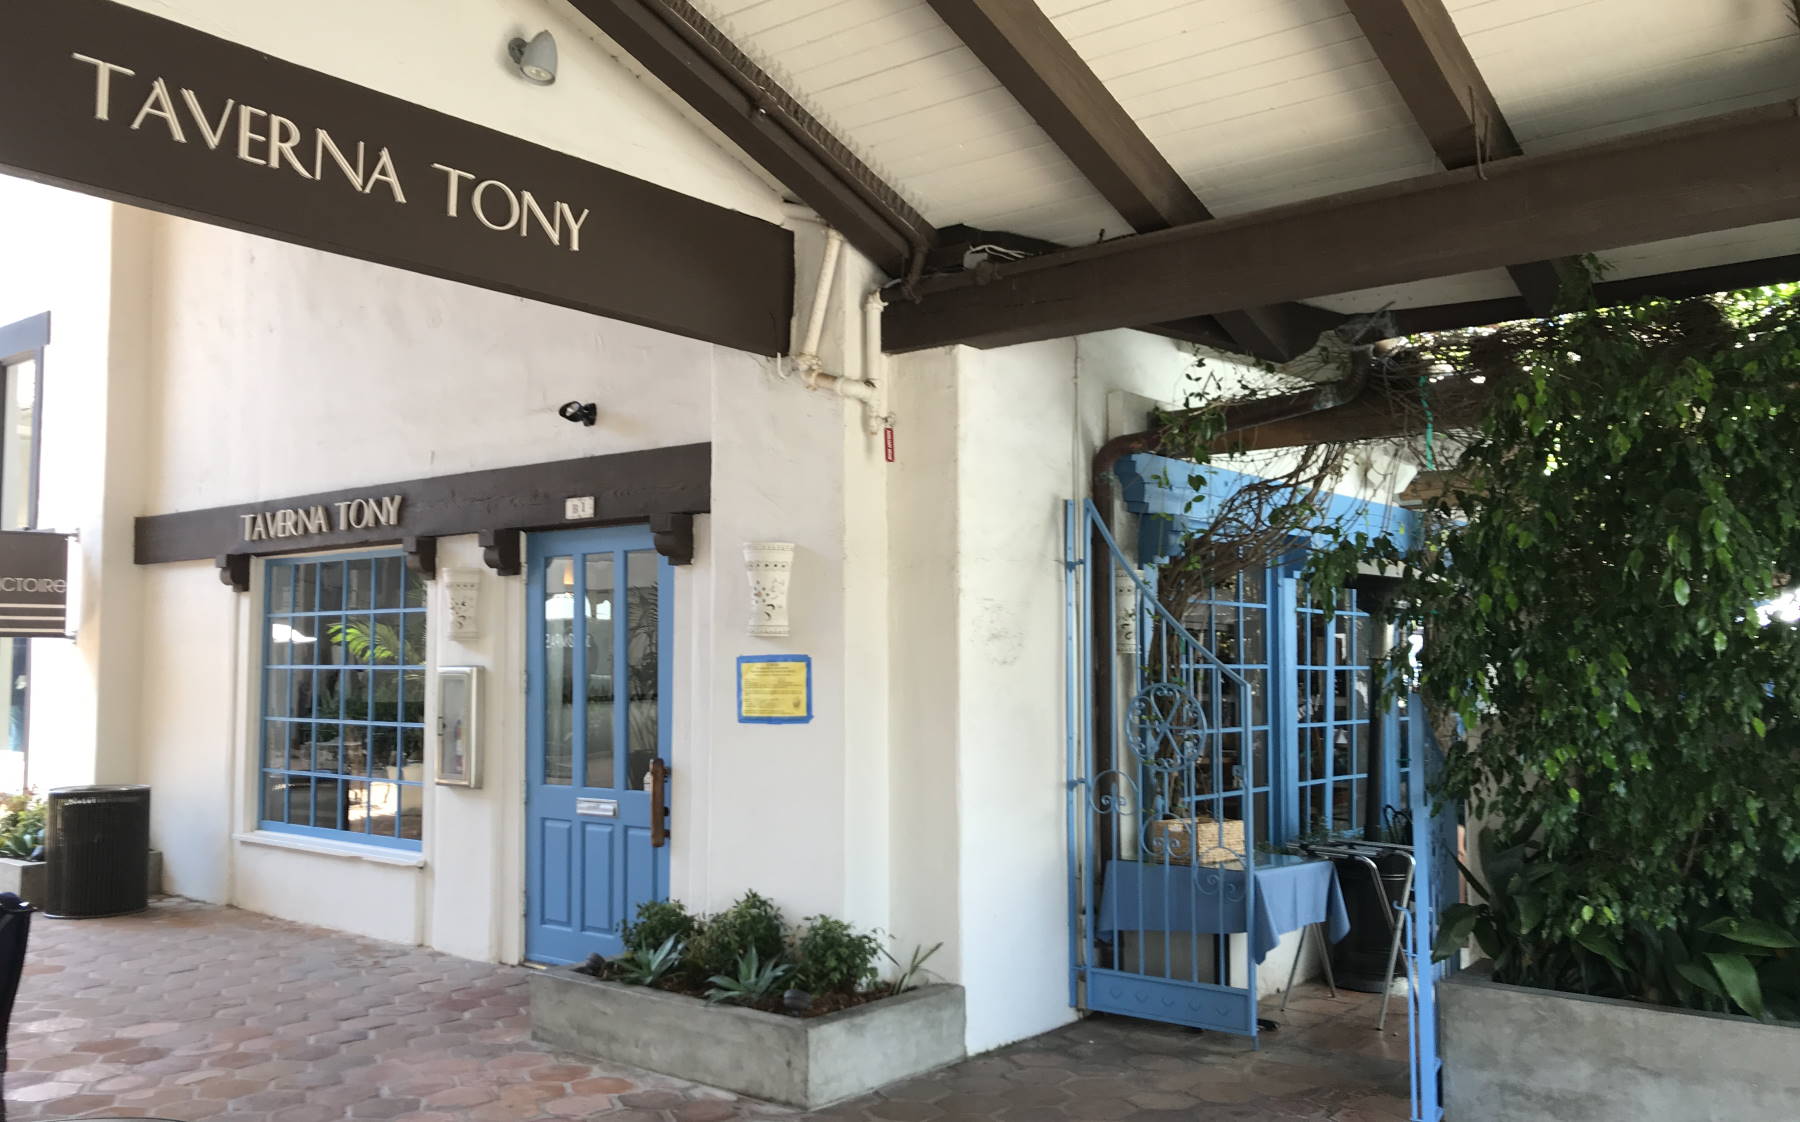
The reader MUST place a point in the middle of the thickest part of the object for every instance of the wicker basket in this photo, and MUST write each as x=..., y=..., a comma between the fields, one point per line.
x=1198, y=841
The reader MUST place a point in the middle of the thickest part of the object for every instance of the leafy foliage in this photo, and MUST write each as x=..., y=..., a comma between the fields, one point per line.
x=741, y=954
x=832, y=957
x=1722, y=963
x=1592, y=596
x=907, y=974
x=379, y=643
x=21, y=825
x=659, y=921
x=646, y=967
x=754, y=982
x=753, y=923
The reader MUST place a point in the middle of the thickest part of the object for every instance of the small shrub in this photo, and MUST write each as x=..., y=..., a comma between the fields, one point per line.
x=752, y=983
x=21, y=825
x=648, y=967
x=907, y=974
x=752, y=924
x=831, y=957
x=657, y=922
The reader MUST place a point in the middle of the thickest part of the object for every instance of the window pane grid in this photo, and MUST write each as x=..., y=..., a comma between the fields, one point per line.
x=1231, y=622
x=343, y=702
x=1335, y=679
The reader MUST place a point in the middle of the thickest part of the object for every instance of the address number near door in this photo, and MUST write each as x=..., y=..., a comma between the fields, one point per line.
x=597, y=808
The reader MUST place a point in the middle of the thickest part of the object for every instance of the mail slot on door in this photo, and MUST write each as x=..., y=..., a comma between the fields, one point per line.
x=597, y=808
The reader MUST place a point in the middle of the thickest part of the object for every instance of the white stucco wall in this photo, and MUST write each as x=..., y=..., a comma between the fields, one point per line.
x=282, y=371
x=83, y=261
x=1002, y=438
x=277, y=371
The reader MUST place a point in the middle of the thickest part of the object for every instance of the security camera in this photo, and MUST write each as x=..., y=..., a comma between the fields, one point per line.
x=579, y=413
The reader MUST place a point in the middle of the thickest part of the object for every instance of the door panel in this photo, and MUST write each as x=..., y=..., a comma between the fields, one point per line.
x=599, y=614
x=553, y=884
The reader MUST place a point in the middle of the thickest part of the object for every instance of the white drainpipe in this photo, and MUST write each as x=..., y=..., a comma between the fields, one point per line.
x=869, y=389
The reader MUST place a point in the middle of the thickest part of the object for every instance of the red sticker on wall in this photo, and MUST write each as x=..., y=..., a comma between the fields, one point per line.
x=887, y=437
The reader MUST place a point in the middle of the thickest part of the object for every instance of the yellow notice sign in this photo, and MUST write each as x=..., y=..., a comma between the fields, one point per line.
x=774, y=689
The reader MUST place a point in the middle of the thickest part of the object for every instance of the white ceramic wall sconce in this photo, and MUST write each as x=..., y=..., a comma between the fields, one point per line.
x=769, y=564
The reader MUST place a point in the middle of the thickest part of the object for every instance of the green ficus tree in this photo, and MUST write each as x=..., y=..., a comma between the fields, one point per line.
x=1595, y=596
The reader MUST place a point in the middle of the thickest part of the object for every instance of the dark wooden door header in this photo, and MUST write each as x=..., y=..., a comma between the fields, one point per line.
x=665, y=487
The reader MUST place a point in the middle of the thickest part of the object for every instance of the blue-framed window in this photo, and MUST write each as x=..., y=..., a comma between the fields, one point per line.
x=343, y=699
x=1310, y=685
x=1233, y=623
x=1334, y=680
x=1312, y=677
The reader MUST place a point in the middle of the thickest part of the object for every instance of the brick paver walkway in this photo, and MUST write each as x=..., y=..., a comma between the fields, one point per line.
x=193, y=1012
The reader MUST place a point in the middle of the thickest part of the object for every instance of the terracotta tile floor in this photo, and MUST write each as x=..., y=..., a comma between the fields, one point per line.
x=192, y=1012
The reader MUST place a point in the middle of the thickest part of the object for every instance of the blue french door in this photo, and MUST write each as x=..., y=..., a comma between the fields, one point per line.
x=599, y=619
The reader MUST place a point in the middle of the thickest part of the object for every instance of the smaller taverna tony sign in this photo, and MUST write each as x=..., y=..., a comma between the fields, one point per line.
x=335, y=517
x=34, y=584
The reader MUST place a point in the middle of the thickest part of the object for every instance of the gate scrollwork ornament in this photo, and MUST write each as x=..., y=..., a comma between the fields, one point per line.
x=1168, y=727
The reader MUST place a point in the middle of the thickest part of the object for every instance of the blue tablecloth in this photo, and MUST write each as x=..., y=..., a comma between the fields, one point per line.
x=1291, y=892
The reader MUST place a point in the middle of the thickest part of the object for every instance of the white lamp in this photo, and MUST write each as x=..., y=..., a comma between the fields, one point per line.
x=536, y=59
x=769, y=564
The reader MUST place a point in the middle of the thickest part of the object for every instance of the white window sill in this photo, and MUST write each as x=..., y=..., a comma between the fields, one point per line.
x=324, y=847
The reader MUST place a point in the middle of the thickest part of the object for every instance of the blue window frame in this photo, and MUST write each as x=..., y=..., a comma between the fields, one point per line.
x=343, y=699
x=1333, y=684
x=1310, y=682
x=1311, y=679
x=1233, y=623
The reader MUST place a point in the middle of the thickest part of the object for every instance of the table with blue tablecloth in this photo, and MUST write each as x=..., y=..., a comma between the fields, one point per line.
x=1290, y=892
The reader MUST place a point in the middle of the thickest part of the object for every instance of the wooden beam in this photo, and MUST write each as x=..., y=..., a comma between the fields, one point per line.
x=684, y=51
x=1017, y=42
x=1419, y=46
x=1678, y=285
x=627, y=487
x=1430, y=64
x=1736, y=169
x=1378, y=414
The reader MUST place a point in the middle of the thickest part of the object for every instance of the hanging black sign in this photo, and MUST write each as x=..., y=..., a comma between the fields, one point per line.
x=109, y=100
x=34, y=583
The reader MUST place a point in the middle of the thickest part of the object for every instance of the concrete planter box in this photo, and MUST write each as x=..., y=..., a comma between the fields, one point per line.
x=1513, y=1054
x=29, y=879
x=807, y=1062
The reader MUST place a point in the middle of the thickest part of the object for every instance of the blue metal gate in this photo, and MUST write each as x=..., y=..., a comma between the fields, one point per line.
x=1174, y=730
x=1162, y=813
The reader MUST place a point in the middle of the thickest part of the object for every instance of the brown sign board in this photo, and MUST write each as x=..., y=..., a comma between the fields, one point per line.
x=34, y=584
x=114, y=102
x=624, y=487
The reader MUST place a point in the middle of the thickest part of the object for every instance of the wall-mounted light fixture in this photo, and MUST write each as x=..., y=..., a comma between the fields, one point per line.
x=770, y=564
x=536, y=60
x=579, y=412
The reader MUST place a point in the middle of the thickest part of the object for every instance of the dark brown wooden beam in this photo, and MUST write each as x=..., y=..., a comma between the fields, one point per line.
x=1425, y=56
x=1678, y=285
x=684, y=51
x=496, y=503
x=1017, y=42
x=1378, y=414
x=1736, y=169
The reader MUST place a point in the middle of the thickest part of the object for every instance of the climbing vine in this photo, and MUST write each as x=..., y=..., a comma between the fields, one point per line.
x=1600, y=594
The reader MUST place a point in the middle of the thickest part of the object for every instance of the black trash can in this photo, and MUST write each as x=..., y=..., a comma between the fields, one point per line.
x=97, y=846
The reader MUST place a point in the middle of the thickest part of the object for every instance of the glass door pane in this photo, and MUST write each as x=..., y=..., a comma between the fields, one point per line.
x=641, y=650
x=598, y=622
x=559, y=670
